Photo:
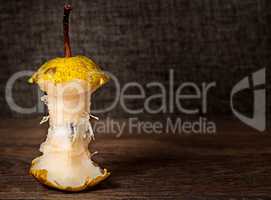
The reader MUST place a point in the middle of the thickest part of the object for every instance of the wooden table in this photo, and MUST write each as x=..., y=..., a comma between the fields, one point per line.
x=233, y=164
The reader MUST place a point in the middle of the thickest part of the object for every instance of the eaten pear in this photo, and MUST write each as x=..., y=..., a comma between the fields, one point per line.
x=68, y=82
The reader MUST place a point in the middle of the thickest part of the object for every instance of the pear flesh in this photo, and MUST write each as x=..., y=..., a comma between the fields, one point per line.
x=66, y=161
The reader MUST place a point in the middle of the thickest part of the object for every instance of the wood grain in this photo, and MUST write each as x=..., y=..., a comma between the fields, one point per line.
x=230, y=165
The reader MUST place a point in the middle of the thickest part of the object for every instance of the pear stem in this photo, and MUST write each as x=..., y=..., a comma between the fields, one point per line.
x=67, y=46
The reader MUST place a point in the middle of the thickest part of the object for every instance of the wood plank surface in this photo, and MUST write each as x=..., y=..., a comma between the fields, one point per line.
x=233, y=164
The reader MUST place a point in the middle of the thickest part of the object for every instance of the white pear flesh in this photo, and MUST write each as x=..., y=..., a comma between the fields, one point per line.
x=66, y=156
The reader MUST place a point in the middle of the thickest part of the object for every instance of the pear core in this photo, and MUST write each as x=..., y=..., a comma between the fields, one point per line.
x=66, y=162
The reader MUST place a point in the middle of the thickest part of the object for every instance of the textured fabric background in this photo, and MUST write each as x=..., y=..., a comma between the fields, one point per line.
x=140, y=40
